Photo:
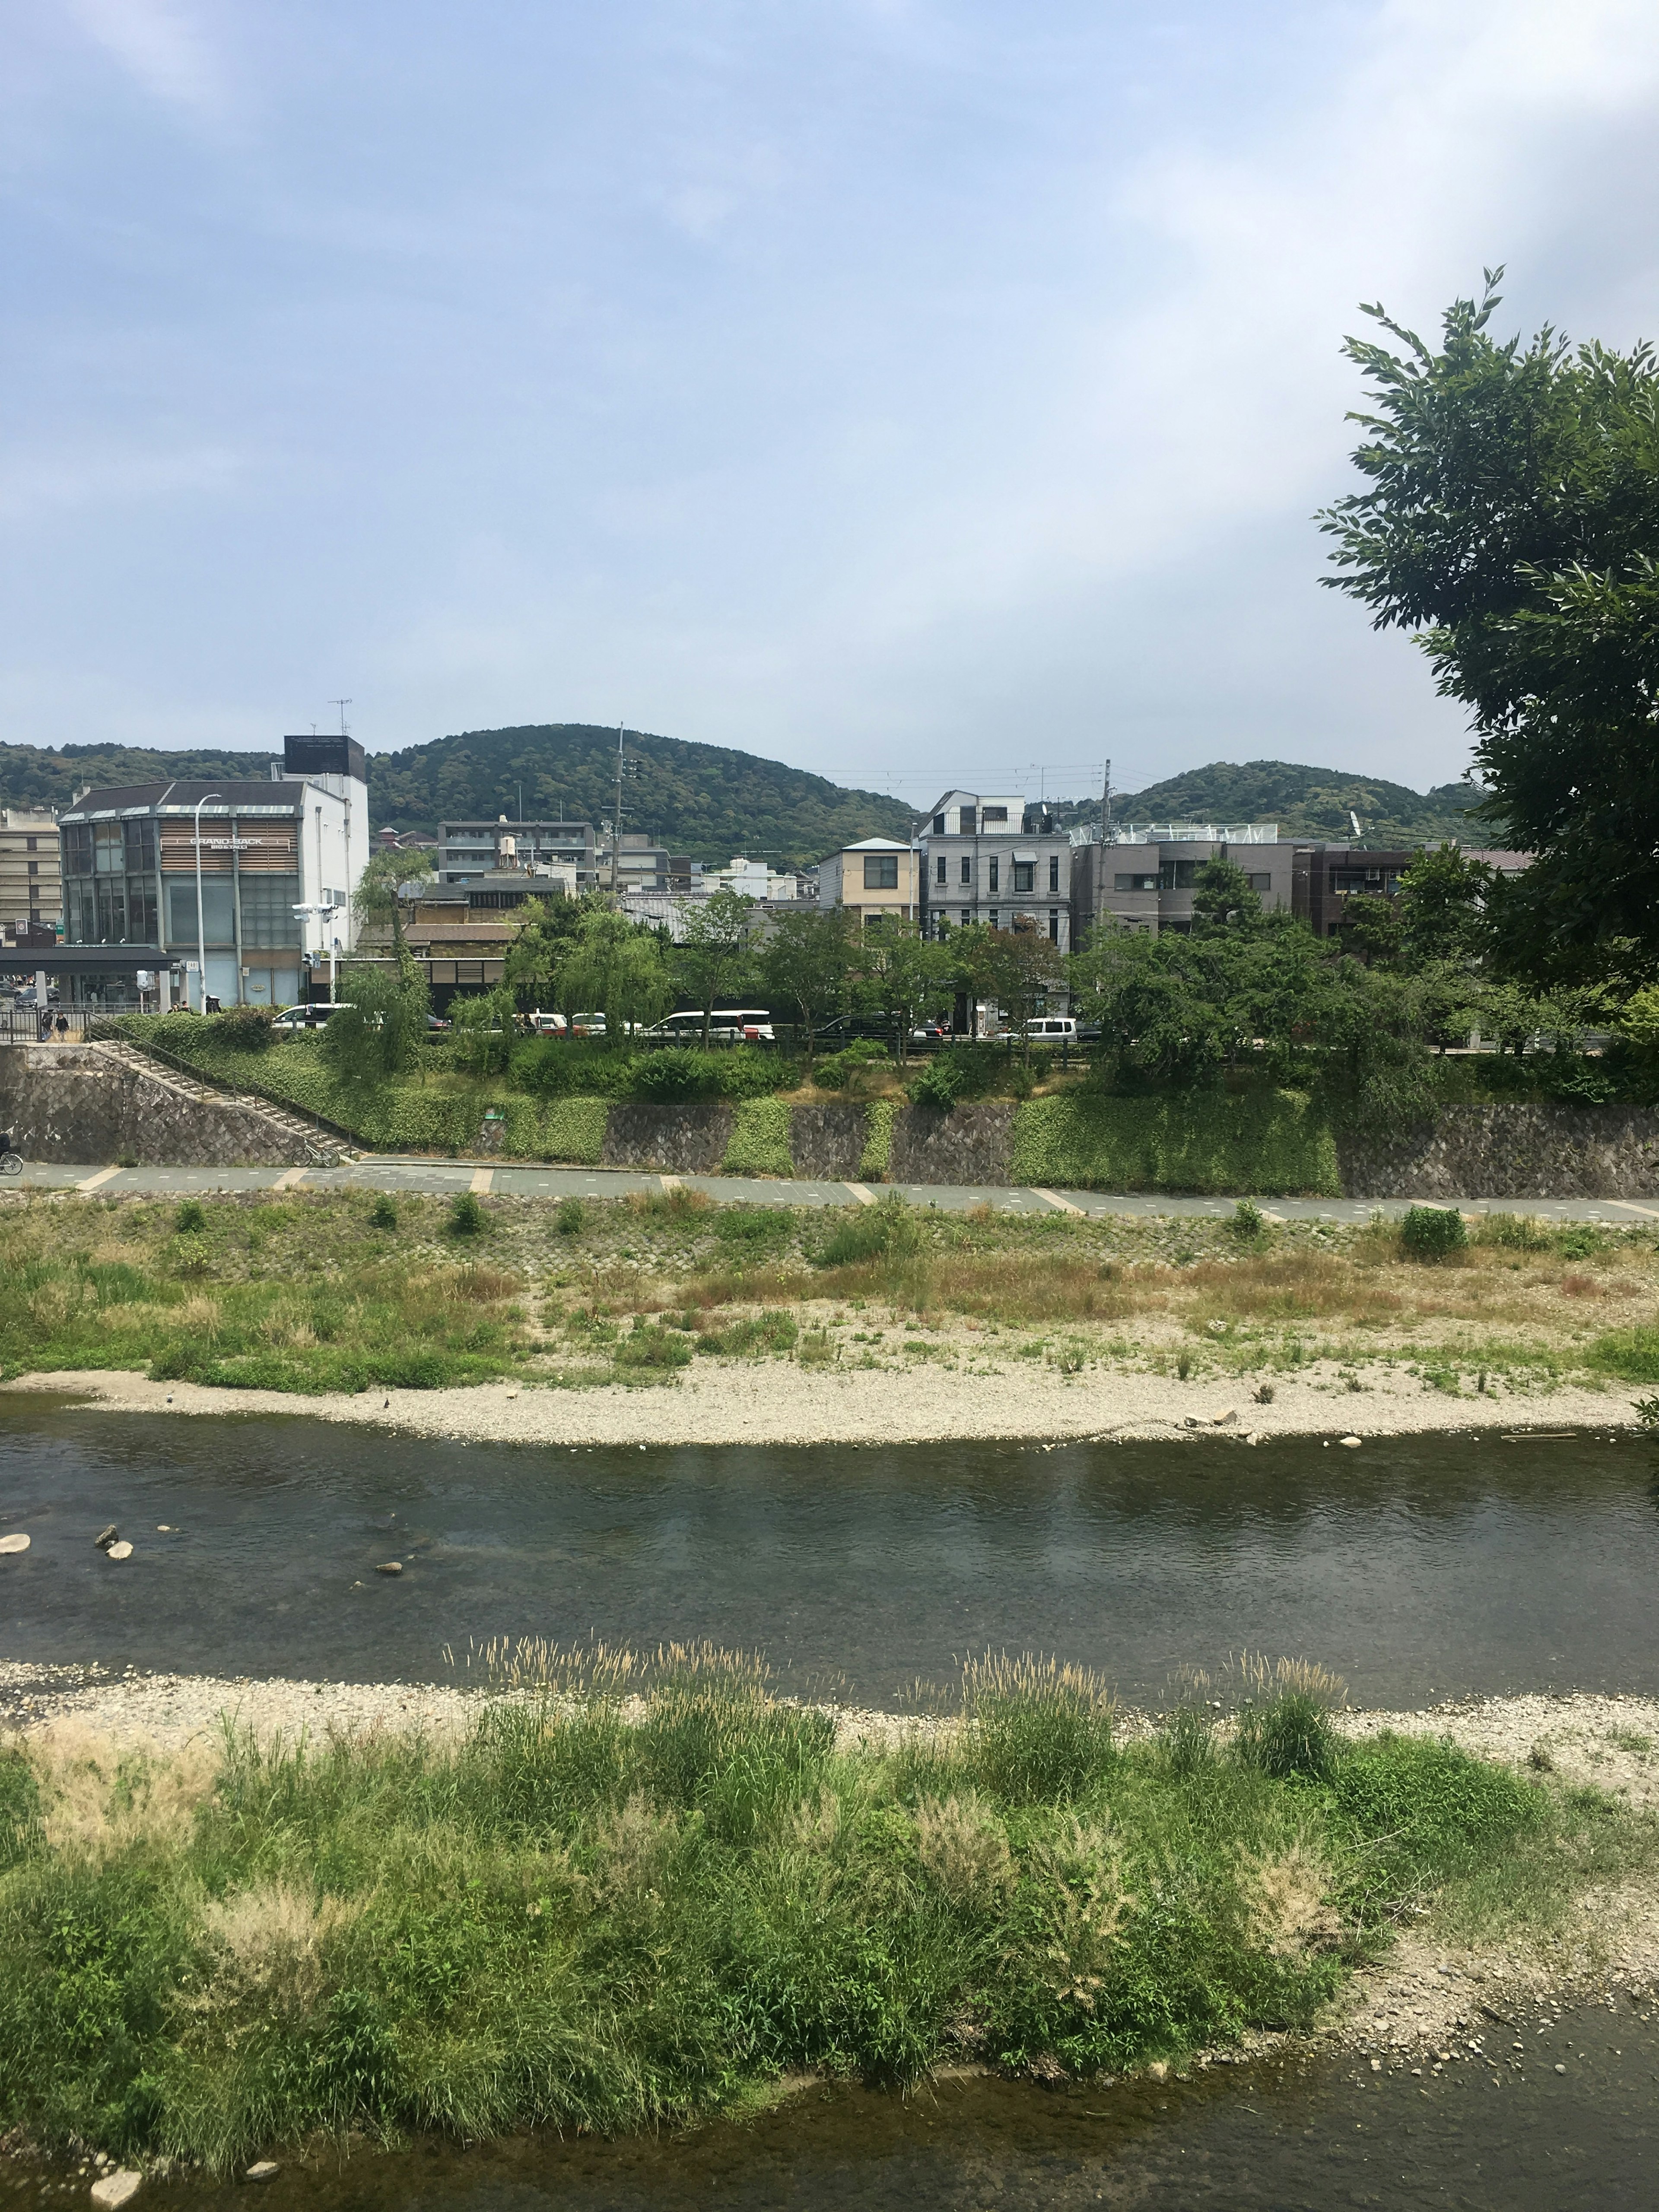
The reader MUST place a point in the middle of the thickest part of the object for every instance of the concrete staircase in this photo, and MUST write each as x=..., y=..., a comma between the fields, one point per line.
x=291, y=1132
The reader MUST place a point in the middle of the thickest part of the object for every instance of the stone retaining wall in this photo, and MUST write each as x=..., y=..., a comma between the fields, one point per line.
x=675, y=1140
x=75, y=1105
x=1512, y=1151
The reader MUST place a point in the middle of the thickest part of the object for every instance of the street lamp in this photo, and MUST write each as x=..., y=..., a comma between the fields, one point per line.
x=201, y=920
x=325, y=915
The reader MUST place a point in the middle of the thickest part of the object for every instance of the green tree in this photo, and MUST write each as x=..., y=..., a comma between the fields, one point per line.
x=808, y=965
x=380, y=896
x=1511, y=517
x=545, y=933
x=904, y=977
x=381, y=1026
x=1014, y=969
x=1221, y=895
x=482, y=1030
x=1370, y=929
x=1444, y=898
x=616, y=968
x=714, y=957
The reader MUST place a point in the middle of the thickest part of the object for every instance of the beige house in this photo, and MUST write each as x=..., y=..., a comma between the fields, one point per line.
x=30, y=881
x=875, y=876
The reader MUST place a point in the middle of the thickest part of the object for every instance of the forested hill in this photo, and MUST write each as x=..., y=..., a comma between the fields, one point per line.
x=708, y=800
x=1305, y=802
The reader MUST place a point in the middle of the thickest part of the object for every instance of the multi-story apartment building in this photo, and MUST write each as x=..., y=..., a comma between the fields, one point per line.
x=31, y=885
x=467, y=850
x=979, y=865
x=1327, y=876
x=877, y=876
x=132, y=857
x=1145, y=876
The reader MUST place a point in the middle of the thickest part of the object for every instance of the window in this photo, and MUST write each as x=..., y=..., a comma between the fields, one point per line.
x=1177, y=875
x=1260, y=882
x=30, y=844
x=35, y=866
x=967, y=869
x=77, y=849
x=1053, y=925
x=1134, y=883
x=1356, y=880
x=216, y=911
x=994, y=814
x=112, y=914
x=996, y=867
x=1025, y=873
x=995, y=923
x=141, y=910
x=268, y=920
x=141, y=845
x=939, y=825
x=108, y=850
x=938, y=872
x=881, y=871
x=966, y=916
x=1054, y=873
x=967, y=820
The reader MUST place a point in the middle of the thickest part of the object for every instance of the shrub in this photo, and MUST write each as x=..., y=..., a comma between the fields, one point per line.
x=570, y=1216
x=937, y=1088
x=753, y=1225
x=650, y=1345
x=1583, y=1241
x=466, y=1217
x=1632, y=1354
x=870, y=1232
x=1433, y=1232
x=1247, y=1223
x=666, y=1078
x=383, y=1214
x=1041, y=1732
x=190, y=1220
x=838, y=1069
x=1515, y=1232
x=246, y=1028
x=1290, y=1735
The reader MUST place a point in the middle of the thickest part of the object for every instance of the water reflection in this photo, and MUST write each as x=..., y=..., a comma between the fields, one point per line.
x=1314, y=2132
x=1419, y=1567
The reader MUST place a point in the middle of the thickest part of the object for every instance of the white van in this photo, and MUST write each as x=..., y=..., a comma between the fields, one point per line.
x=726, y=1025
x=1052, y=1028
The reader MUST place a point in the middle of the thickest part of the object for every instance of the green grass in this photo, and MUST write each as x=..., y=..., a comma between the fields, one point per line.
x=568, y=1919
x=759, y=1142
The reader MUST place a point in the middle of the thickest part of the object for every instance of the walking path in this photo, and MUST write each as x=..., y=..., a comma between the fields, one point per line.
x=442, y=1178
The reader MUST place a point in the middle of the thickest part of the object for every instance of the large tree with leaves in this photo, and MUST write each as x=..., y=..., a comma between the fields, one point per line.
x=1511, y=517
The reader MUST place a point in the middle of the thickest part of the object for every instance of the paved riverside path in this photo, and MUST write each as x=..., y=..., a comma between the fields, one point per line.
x=442, y=1178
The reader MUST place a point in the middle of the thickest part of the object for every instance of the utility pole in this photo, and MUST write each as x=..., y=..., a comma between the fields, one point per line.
x=616, y=820
x=1105, y=840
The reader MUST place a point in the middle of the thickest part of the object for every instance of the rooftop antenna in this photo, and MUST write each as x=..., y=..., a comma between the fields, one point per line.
x=342, y=704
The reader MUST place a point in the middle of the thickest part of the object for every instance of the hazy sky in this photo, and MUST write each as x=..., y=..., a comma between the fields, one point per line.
x=905, y=391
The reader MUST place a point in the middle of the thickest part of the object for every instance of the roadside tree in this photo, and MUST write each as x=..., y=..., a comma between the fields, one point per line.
x=808, y=965
x=717, y=951
x=615, y=967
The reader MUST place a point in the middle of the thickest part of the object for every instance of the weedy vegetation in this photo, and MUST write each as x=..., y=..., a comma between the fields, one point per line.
x=633, y=1893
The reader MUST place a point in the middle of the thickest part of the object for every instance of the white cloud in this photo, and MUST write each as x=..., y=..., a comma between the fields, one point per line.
x=161, y=46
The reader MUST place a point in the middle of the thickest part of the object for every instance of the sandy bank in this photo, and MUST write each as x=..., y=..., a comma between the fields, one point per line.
x=747, y=1402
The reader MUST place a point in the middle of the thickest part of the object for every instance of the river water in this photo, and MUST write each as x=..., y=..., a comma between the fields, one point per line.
x=1418, y=1567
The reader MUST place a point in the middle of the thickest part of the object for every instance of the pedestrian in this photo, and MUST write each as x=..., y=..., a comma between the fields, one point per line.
x=61, y=1026
x=44, y=1023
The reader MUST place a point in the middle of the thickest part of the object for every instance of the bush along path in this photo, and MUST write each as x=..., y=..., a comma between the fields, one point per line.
x=587, y=1913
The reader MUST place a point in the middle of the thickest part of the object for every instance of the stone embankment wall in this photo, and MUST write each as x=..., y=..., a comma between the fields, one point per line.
x=1512, y=1151
x=78, y=1105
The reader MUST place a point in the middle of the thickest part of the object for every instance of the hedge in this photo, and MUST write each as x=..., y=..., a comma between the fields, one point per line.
x=876, y=1158
x=1266, y=1141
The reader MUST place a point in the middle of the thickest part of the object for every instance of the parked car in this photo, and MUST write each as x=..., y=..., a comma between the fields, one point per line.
x=930, y=1033
x=438, y=1025
x=293, y=1021
x=726, y=1025
x=548, y=1025
x=1052, y=1028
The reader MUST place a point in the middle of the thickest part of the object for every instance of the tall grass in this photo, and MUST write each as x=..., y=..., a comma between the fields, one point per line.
x=635, y=1887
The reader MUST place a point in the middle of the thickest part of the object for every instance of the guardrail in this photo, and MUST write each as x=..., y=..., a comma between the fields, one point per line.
x=23, y=1025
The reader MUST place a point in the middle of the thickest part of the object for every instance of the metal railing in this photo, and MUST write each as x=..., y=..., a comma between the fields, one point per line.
x=24, y=1024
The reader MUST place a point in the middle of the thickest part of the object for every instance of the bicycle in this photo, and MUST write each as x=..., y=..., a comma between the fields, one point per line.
x=11, y=1163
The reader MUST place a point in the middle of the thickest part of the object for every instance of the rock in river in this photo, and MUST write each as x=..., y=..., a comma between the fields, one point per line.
x=390, y=1567
x=263, y=2169
x=116, y=2188
x=121, y=1551
x=105, y=1537
x=17, y=1543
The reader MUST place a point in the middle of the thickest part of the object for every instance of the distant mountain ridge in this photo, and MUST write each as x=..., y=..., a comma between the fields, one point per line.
x=710, y=801
x=1304, y=801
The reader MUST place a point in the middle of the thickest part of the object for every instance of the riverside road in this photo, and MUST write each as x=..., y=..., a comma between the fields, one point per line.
x=442, y=1178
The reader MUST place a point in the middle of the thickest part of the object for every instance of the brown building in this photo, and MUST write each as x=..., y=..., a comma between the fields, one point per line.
x=1324, y=878
x=30, y=881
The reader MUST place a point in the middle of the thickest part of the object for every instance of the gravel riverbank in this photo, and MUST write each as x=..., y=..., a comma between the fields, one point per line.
x=737, y=1402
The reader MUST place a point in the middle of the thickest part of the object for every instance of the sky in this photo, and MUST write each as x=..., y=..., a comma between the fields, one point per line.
x=913, y=392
